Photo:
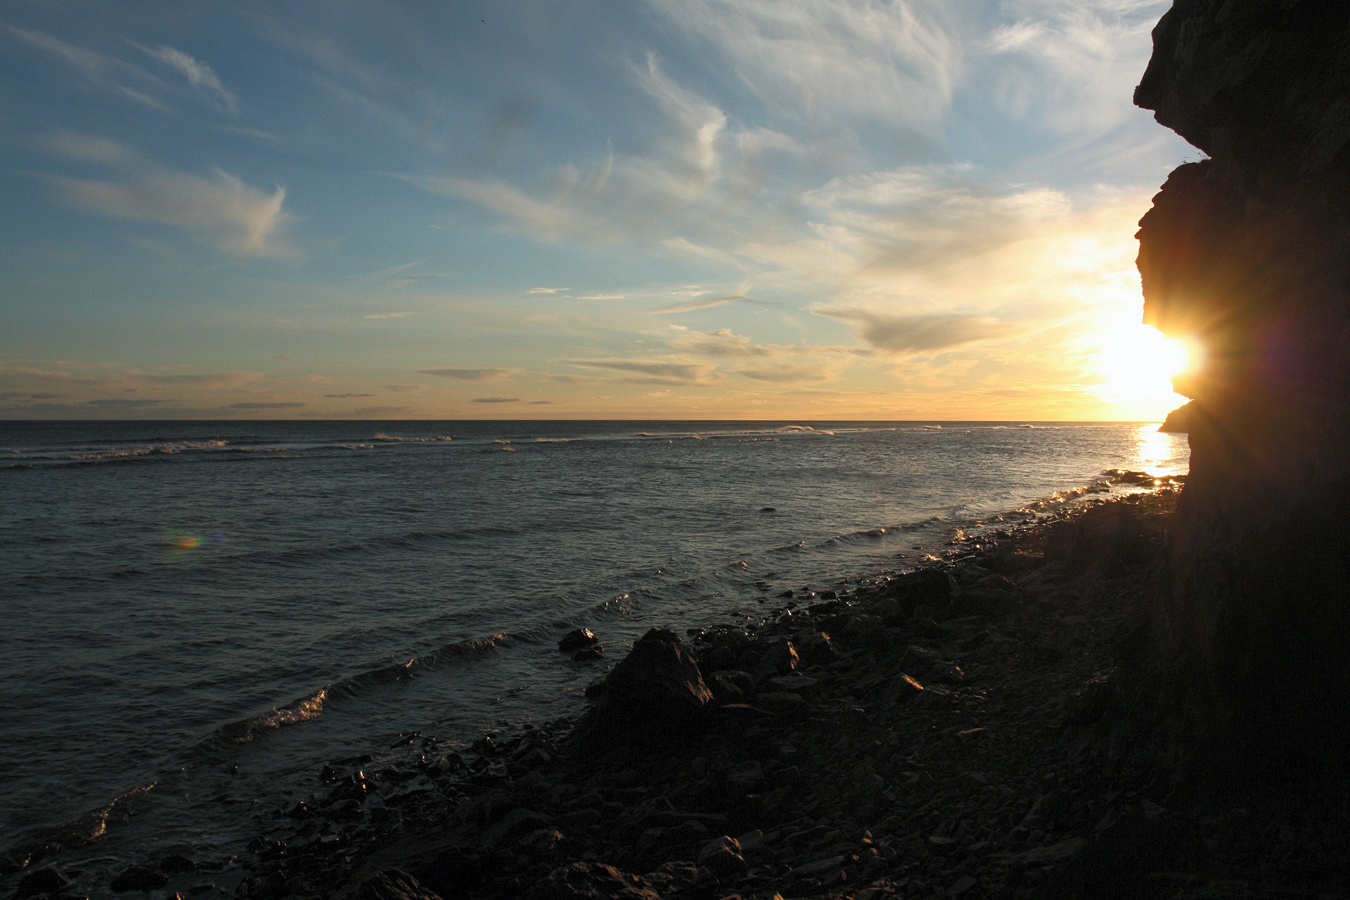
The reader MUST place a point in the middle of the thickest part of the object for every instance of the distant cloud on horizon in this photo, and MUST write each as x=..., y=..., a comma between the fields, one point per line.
x=470, y=374
x=264, y=405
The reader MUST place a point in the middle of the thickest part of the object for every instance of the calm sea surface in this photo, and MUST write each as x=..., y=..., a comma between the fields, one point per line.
x=197, y=612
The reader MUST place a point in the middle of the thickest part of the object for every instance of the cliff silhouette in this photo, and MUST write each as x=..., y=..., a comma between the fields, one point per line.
x=1247, y=255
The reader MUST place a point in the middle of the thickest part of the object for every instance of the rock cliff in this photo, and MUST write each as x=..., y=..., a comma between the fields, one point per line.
x=1247, y=255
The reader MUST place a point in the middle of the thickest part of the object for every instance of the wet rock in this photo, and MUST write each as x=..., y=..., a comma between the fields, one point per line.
x=580, y=639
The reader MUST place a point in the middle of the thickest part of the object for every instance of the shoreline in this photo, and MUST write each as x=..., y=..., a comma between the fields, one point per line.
x=915, y=735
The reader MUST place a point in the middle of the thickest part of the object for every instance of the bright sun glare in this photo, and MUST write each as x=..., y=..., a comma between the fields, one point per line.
x=1137, y=367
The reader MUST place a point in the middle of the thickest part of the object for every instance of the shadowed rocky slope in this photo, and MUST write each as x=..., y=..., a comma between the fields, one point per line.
x=1246, y=253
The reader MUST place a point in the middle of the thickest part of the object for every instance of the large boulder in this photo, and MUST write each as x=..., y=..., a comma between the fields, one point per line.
x=654, y=697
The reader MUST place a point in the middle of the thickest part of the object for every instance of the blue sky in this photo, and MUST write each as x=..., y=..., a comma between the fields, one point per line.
x=547, y=209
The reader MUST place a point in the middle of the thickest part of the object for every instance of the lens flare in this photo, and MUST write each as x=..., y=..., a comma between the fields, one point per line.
x=183, y=542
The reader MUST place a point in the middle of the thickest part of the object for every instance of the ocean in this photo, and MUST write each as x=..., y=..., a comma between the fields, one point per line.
x=199, y=615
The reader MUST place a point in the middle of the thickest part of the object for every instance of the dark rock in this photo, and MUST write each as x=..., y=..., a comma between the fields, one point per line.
x=818, y=649
x=457, y=871
x=1103, y=541
x=394, y=884
x=781, y=657
x=1178, y=421
x=931, y=587
x=43, y=881
x=655, y=695
x=139, y=878
x=722, y=857
x=513, y=825
x=580, y=639
x=725, y=688
x=1244, y=254
x=590, y=654
x=591, y=881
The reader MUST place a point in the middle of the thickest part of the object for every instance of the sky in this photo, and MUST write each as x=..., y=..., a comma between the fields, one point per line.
x=574, y=209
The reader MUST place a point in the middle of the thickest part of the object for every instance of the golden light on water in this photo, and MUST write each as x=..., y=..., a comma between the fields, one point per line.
x=1159, y=453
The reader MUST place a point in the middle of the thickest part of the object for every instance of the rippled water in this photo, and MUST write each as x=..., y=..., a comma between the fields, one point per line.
x=197, y=612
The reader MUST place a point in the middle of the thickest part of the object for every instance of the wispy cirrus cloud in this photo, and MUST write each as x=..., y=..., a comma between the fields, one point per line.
x=221, y=209
x=121, y=77
x=199, y=75
x=895, y=64
x=1034, y=64
x=740, y=295
x=98, y=69
x=684, y=173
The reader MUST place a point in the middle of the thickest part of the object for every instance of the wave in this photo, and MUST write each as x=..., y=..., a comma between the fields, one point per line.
x=312, y=706
x=385, y=438
x=733, y=432
x=172, y=451
x=84, y=829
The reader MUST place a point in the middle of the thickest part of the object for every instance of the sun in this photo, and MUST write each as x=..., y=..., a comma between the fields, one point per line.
x=1136, y=365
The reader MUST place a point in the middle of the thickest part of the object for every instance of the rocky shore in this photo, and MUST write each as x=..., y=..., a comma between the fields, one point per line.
x=977, y=728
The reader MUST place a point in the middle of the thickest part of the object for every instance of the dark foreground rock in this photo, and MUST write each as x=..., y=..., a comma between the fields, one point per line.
x=971, y=730
x=1244, y=254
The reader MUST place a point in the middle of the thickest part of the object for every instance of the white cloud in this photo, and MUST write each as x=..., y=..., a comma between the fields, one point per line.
x=683, y=174
x=894, y=63
x=201, y=76
x=229, y=213
x=1069, y=64
x=698, y=124
x=740, y=295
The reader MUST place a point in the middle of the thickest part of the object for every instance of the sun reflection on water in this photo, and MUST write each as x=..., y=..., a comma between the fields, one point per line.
x=1161, y=453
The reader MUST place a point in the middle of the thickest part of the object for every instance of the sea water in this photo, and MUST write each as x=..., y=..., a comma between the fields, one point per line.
x=198, y=615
